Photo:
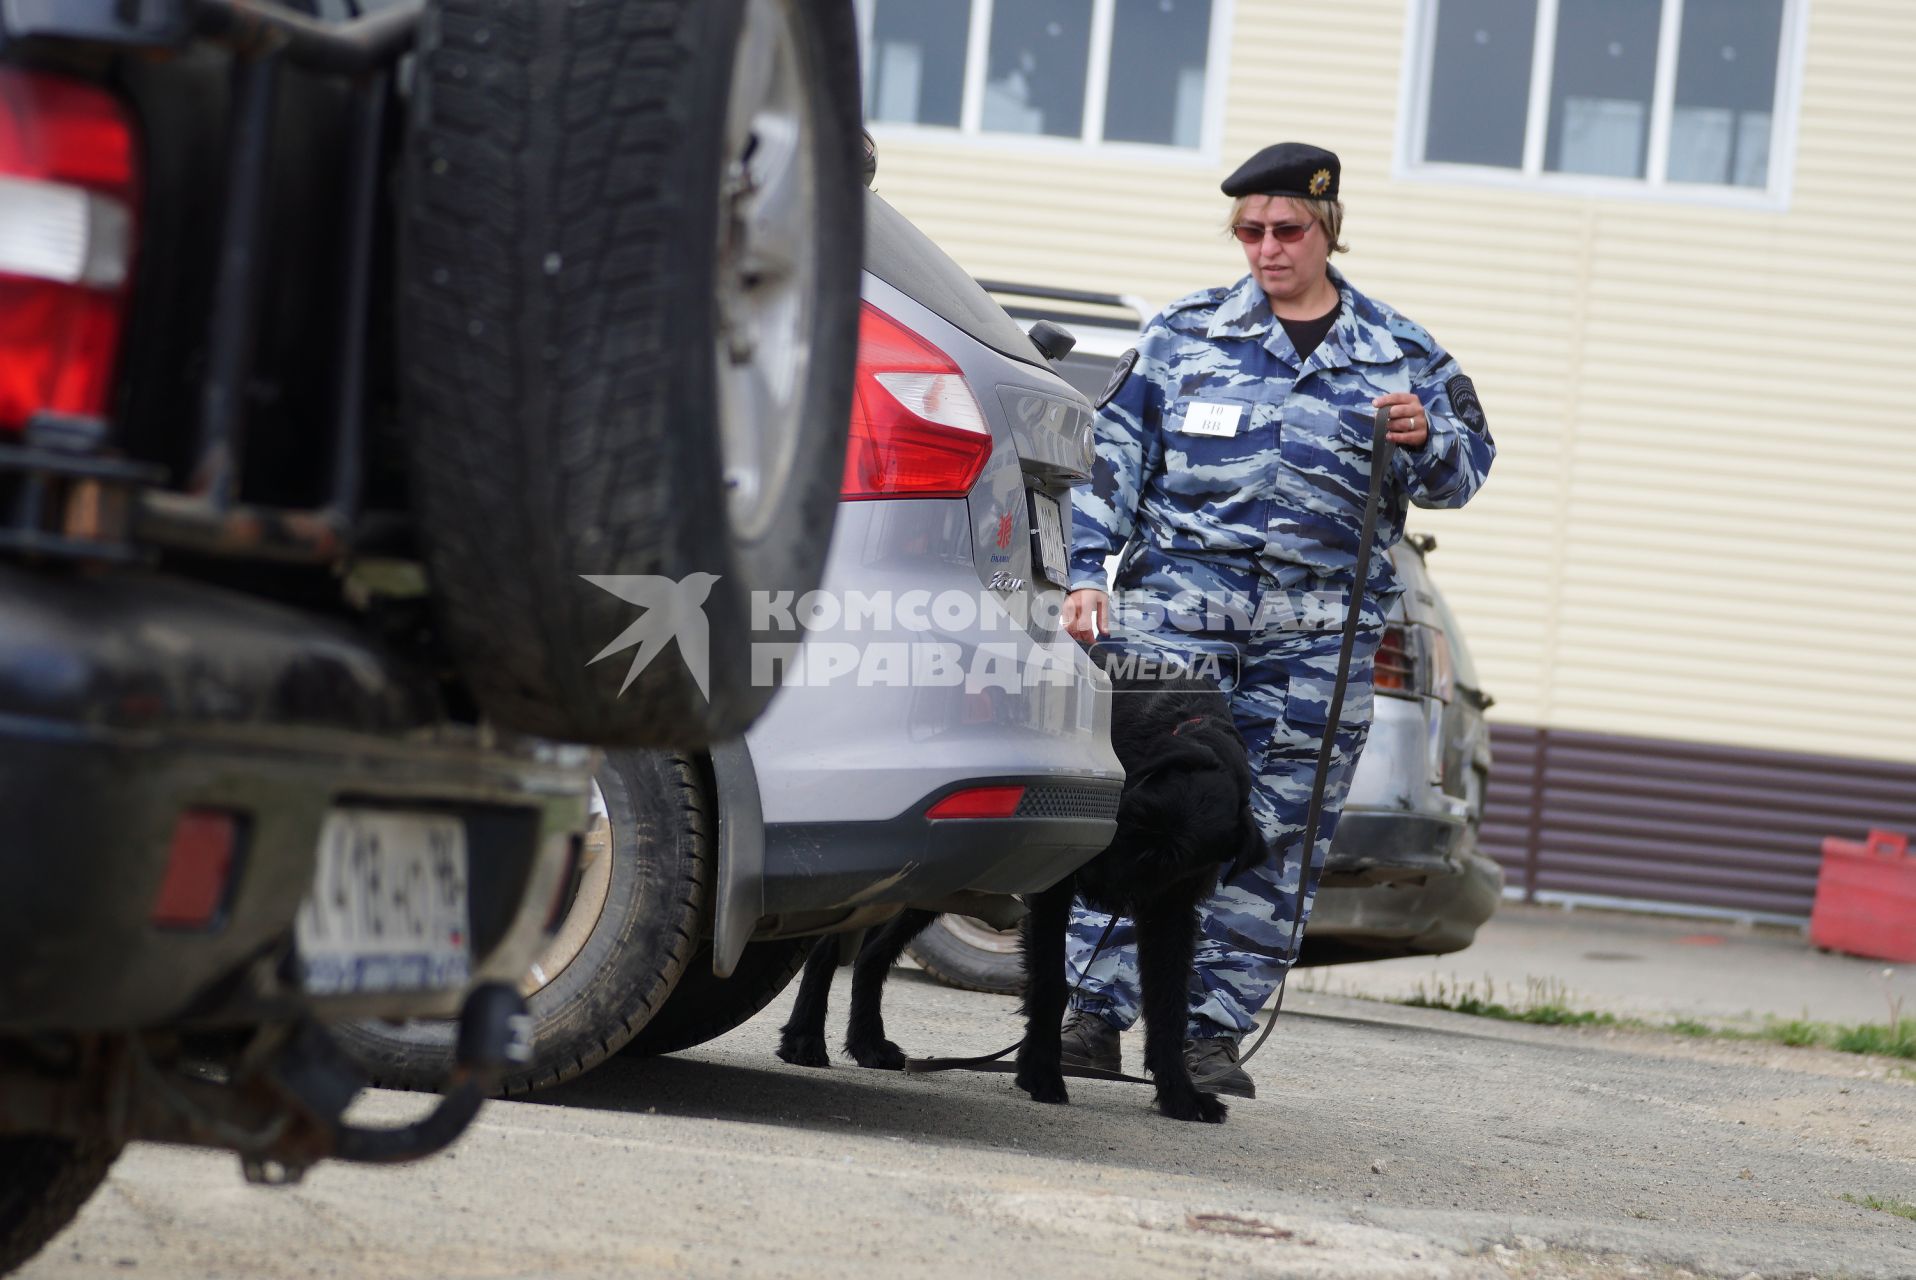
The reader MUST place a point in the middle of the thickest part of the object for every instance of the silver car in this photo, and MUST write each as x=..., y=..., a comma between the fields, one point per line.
x=1406, y=874
x=951, y=537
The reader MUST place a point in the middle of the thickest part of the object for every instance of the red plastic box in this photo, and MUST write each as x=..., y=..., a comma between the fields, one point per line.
x=1866, y=898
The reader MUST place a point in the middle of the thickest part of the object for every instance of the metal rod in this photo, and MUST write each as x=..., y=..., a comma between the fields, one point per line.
x=260, y=27
x=216, y=470
x=187, y=522
x=362, y=197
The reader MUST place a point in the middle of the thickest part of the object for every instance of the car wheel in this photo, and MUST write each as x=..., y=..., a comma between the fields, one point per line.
x=629, y=258
x=43, y=1182
x=703, y=1007
x=961, y=952
x=627, y=935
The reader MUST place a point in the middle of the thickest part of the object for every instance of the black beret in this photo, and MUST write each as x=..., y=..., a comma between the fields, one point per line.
x=1287, y=169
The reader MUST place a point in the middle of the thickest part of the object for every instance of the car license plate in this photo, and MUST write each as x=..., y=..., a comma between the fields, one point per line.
x=388, y=910
x=1049, y=524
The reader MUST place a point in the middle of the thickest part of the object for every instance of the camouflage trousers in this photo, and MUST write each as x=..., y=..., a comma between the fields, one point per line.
x=1273, y=647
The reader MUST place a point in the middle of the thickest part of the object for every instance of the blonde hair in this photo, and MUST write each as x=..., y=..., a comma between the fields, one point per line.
x=1328, y=214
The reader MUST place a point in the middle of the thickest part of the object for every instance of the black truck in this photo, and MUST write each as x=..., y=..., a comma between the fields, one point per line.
x=354, y=360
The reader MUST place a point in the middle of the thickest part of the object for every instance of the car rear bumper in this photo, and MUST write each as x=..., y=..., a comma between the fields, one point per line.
x=126, y=699
x=1417, y=906
x=1393, y=847
x=822, y=866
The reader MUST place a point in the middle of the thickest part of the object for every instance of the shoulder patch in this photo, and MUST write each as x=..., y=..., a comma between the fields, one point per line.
x=1119, y=372
x=1463, y=398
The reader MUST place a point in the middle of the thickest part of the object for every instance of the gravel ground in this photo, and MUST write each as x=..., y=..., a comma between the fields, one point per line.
x=1385, y=1142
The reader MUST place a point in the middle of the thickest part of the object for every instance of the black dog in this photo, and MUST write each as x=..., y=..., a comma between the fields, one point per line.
x=1185, y=811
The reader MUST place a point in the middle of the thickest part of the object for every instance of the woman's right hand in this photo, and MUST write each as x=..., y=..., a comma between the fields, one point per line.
x=1087, y=614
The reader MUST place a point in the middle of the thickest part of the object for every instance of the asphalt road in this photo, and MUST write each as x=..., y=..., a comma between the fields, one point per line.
x=1386, y=1142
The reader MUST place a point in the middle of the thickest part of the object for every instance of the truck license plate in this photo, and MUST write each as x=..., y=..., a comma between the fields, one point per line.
x=388, y=910
x=1049, y=525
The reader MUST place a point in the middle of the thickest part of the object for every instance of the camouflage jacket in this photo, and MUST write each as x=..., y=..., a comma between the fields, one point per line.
x=1214, y=441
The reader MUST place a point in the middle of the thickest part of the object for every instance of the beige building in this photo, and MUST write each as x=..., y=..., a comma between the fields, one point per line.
x=1670, y=241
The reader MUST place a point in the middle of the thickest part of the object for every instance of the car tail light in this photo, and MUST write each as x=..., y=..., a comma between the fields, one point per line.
x=1413, y=661
x=1396, y=667
x=916, y=428
x=68, y=208
x=979, y=802
x=199, y=869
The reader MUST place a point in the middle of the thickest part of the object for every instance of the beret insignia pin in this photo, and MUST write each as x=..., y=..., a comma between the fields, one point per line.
x=1320, y=182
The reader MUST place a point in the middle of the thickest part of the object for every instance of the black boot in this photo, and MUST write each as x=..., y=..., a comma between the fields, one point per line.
x=1089, y=1041
x=1214, y=1069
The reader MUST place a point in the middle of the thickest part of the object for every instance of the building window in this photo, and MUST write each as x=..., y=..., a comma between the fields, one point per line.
x=1090, y=71
x=1685, y=95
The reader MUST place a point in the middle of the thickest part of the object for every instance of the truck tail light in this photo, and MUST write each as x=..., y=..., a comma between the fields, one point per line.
x=916, y=428
x=200, y=861
x=68, y=215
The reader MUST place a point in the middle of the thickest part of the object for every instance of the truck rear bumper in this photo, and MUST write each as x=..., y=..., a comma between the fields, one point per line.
x=127, y=699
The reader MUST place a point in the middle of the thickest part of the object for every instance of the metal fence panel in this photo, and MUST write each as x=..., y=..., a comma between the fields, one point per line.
x=1723, y=828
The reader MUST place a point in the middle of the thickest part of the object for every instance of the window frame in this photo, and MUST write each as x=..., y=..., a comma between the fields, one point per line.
x=969, y=133
x=1420, y=33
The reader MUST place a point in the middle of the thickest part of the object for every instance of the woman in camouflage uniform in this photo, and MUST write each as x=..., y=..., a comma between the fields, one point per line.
x=1233, y=462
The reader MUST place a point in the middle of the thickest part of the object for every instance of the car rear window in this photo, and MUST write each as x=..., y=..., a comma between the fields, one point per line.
x=905, y=258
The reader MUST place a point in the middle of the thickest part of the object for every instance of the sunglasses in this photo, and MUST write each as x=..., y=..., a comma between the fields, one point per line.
x=1282, y=232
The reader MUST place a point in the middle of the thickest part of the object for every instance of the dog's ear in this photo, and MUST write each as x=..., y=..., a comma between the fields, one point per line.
x=1252, y=849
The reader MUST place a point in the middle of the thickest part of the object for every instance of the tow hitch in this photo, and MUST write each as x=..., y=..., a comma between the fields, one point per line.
x=280, y=1104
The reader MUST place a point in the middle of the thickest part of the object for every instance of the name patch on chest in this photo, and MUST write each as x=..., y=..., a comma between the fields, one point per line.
x=1208, y=418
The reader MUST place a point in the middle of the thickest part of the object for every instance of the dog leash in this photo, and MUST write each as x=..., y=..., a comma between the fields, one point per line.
x=995, y=1061
x=1360, y=574
x=1381, y=449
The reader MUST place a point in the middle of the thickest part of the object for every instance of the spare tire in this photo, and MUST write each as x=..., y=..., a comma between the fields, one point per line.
x=629, y=249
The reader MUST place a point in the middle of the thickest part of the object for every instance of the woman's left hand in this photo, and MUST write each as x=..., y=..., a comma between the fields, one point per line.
x=1409, y=428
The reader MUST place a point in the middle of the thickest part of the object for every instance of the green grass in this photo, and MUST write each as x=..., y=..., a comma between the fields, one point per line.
x=1901, y=1208
x=1895, y=1041
x=1888, y=1040
x=1546, y=1002
x=1798, y=1033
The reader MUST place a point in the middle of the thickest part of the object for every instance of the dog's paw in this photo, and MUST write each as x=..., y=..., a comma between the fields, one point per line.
x=1206, y=1108
x=803, y=1050
x=879, y=1055
x=1043, y=1086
